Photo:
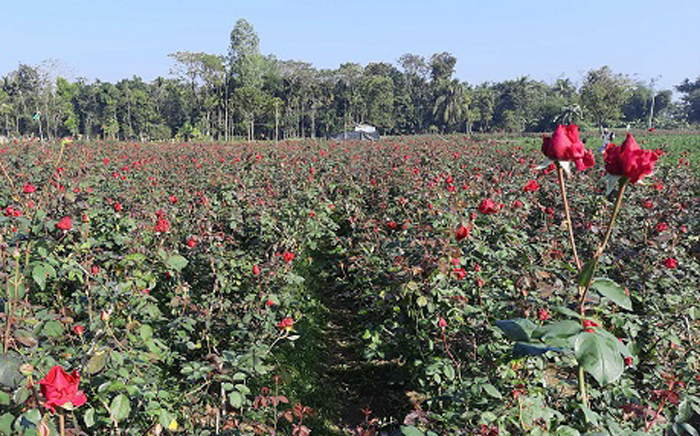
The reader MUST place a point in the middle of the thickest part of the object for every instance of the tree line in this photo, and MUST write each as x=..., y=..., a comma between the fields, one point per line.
x=254, y=96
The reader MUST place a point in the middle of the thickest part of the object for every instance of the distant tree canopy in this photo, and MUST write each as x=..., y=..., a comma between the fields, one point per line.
x=247, y=94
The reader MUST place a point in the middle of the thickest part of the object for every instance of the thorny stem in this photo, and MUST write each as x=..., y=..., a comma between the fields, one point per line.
x=572, y=241
x=648, y=425
x=449, y=353
x=12, y=301
x=45, y=192
x=601, y=248
x=586, y=287
x=618, y=204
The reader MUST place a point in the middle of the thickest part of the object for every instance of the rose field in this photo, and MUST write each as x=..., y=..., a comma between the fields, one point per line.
x=416, y=285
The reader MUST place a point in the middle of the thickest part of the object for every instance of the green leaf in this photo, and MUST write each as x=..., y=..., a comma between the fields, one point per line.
x=559, y=329
x=586, y=274
x=613, y=291
x=409, y=430
x=9, y=370
x=566, y=311
x=21, y=395
x=599, y=356
x=521, y=349
x=120, y=407
x=146, y=332
x=4, y=399
x=621, y=348
x=491, y=390
x=6, y=423
x=681, y=427
x=177, y=262
x=243, y=389
x=165, y=418
x=39, y=276
x=89, y=417
x=611, y=182
x=591, y=416
x=565, y=430
x=98, y=361
x=449, y=372
x=53, y=329
x=518, y=329
x=236, y=399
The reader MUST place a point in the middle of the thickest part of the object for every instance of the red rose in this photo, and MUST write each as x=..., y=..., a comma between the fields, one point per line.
x=256, y=270
x=191, y=243
x=460, y=273
x=286, y=324
x=78, y=330
x=59, y=388
x=442, y=323
x=531, y=186
x=565, y=145
x=671, y=263
x=543, y=315
x=589, y=325
x=94, y=270
x=461, y=233
x=488, y=207
x=118, y=207
x=64, y=224
x=29, y=188
x=629, y=160
x=288, y=256
x=647, y=204
x=660, y=227
x=517, y=204
x=162, y=225
x=392, y=225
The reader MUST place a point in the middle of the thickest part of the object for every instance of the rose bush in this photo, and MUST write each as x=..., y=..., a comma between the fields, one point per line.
x=194, y=338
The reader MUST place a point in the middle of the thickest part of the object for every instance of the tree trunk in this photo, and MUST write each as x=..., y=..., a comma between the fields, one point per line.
x=277, y=123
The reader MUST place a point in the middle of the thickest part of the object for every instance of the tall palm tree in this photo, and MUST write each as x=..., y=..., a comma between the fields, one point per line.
x=570, y=114
x=450, y=108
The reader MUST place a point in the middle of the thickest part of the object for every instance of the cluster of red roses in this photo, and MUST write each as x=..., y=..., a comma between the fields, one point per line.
x=626, y=160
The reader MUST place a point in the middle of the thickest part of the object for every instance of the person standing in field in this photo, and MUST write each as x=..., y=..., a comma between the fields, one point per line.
x=608, y=137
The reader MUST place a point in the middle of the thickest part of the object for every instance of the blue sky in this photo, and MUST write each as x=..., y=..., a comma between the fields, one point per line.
x=492, y=40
